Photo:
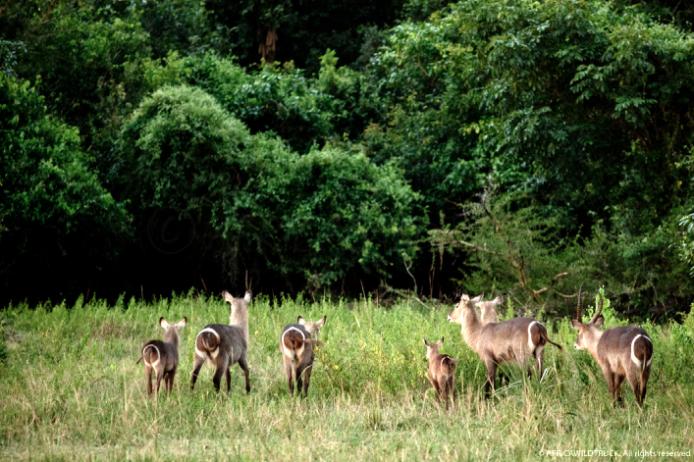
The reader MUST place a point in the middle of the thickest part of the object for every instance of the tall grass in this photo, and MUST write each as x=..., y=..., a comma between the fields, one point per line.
x=71, y=390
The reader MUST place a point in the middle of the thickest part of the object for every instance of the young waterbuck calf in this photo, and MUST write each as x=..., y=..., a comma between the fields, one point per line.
x=515, y=340
x=441, y=372
x=161, y=357
x=224, y=345
x=621, y=352
x=296, y=344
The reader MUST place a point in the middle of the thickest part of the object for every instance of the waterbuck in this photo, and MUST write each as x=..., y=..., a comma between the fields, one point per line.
x=441, y=371
x=515, y=340
x=488, y=312
x=161, y=357
x=224, y=345
x=296, y=344
x=621, y=352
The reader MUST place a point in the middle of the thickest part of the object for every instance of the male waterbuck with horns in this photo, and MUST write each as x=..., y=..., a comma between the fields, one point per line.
x=621, y=352
x=161, y=357
x=224, y=345
x=297, y=344
x=515, y=340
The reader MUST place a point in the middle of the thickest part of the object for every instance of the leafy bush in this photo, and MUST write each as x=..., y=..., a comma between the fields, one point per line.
x=515, y=247
x=52, y=205
x=274, y=99
x=348, y=214
x=320, y=217
x=572, y=101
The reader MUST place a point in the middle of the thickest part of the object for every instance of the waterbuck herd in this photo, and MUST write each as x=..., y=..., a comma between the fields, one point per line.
x=621, y=352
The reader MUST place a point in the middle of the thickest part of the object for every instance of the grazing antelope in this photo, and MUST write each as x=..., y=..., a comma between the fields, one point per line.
x=296, y=344
x=161, y=357
x=488, y=311
x=515, y=340
x=621, y=352
x=224, y=345
x=441, y=372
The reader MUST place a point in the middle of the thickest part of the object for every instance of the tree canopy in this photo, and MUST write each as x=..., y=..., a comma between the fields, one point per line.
x=514, y=146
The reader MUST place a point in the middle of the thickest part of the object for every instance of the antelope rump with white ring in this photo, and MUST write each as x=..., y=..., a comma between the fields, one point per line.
x=297, y=343
x=621, y=352
x=516, y=340
x=224, y=345
x=161, y=357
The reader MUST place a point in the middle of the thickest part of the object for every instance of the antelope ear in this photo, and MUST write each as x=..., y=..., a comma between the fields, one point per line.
x=227, y=297
x=575, y=323
x=478, y=298
x=180, y=324
x=597, y=322
x=441, y=341
x=426, y=342
x=464, y=297
x=163, y=323
x=498, y=300
x=300, y=320
x=247, y=297
x=320, y=323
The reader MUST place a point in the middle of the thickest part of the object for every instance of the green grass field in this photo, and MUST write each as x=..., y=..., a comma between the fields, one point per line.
x=71, y=390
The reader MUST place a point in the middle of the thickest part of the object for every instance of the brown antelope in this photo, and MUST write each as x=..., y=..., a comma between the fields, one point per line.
x=515, y=340
x=488, y=312
x=296, y=344
x=223, y=345
x=161, y=357
x=621, y=352
x=441, y=372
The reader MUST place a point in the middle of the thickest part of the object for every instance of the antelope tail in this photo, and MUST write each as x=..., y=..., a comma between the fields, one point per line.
x=646, y=361
x=554, y=343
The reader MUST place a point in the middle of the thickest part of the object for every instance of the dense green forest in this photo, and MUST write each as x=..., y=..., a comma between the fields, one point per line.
x=538, y=149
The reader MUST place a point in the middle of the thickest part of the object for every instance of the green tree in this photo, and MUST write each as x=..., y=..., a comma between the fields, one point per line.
x=303, y=111
x=581, y=106
x=349, y=219
x=256, y=206
x=283, y=30
x=52, y=205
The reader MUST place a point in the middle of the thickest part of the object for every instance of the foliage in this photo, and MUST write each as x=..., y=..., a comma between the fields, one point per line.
x=281, y=99
x=515, y=248
x=301, y=32
x=581, y=106
x=642, y=272
x=180, y=25
x=579, y=112
x=345, y=209
x=550, y=97
x=247, y=196
x=687, y=243
x=189, y=156
x=51, y=202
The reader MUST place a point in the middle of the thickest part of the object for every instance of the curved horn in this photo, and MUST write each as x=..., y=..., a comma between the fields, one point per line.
x=601, y=303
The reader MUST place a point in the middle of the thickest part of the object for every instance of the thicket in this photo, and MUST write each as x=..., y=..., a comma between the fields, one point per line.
x=527, y=148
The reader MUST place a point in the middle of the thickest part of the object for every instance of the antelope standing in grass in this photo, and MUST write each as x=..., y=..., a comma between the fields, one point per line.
x=225, y=345
x=515, y=340
x=296, y=344
x=621, y=352
x=161, y=357
x=488, y=311
x=441, y=372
